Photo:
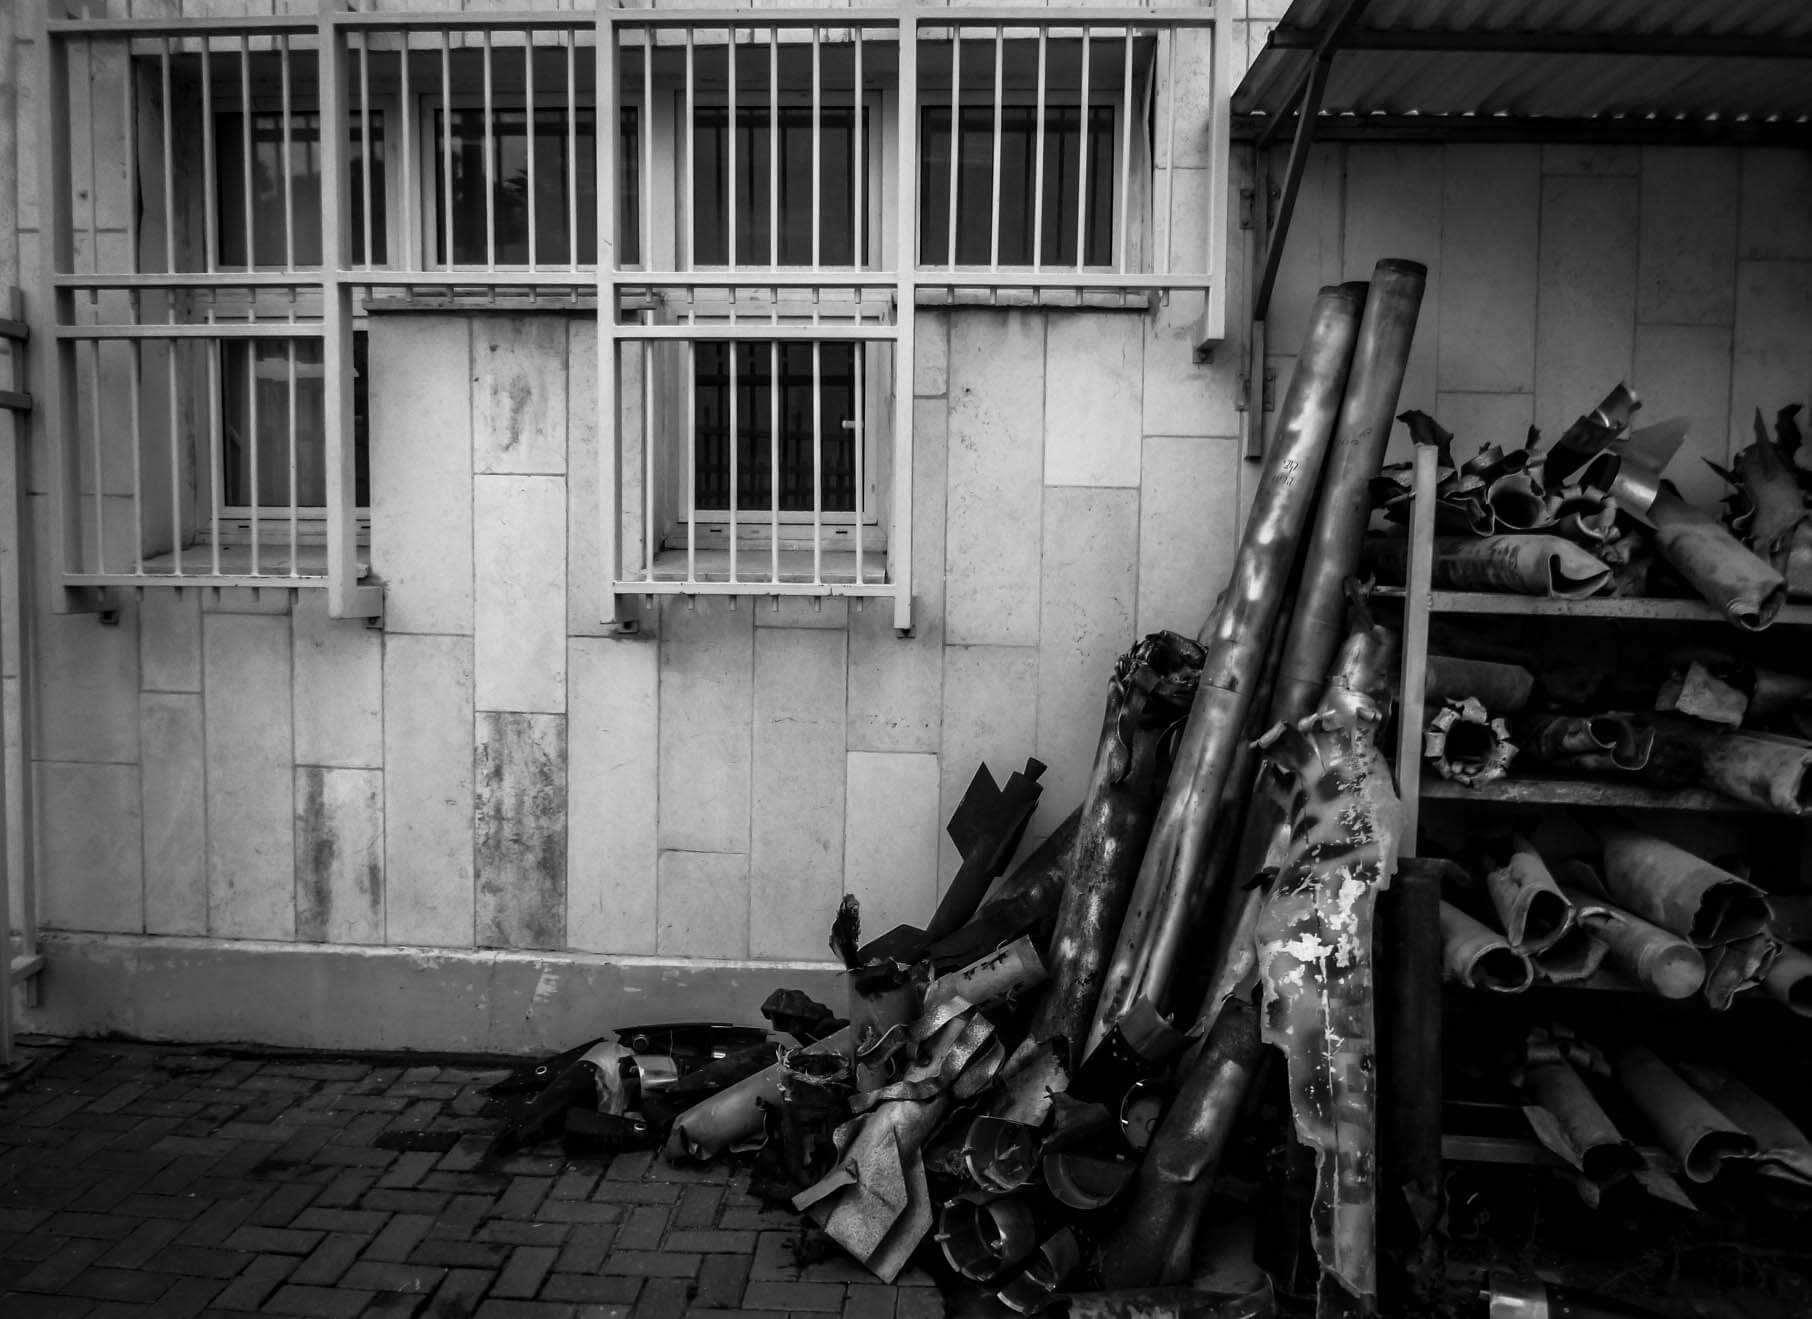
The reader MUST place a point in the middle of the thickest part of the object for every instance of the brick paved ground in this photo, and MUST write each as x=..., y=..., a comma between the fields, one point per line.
x=166, y=1182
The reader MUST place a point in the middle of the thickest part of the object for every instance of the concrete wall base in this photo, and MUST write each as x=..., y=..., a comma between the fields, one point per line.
x=338, y=996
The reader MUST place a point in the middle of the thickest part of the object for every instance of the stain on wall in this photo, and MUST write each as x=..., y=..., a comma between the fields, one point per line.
x=519, y=773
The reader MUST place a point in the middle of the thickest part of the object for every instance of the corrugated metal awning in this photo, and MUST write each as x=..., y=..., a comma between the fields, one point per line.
x=1605, y=70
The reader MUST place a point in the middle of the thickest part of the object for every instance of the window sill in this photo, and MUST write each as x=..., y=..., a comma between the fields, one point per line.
x=755, y=568
x=1056, y=298
x=309, y=568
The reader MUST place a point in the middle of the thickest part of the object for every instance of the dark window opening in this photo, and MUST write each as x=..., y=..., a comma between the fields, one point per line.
x=261, y=369
x=299, y=171
x=754, y=391
x=757, y=212
x=1064, y=200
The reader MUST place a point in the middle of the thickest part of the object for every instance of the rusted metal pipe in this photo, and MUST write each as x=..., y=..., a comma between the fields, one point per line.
x=1467, y=744
x=1523, y=565
x=1768, y=770
x=711, y=1126
x=1172, y=891
x=1568, y=1119
x=1655, y=959
x=1694, y=1132
x=1505, y=688
x=1679, y=891
x=1719, y=567
x=1782, y=1149
x=1150, y=690
x=1155, y=1235
x=1479, y=957
x=1731, y=968
x=1593, y=743
x=1789, y=981
x=1791, y=921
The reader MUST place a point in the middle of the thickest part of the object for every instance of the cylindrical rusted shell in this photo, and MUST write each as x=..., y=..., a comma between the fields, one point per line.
x=1762, y=769
x=1656, y=959
x=1789, y=980
x=1479, y=957
x=1150, y=689
x=1679, y=891
x=1504, y=688
x=1719, y=567
x=1172, y=888
x=1580, y=1126
x=1155, y=1235
x=1534, y=912
x=1694, y=1132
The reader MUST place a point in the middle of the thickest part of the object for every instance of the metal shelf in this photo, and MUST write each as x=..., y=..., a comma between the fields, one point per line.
x=1586, y=792
x=1617, y=607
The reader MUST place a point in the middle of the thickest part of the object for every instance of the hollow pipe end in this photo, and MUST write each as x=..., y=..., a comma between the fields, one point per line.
x=1400, y=265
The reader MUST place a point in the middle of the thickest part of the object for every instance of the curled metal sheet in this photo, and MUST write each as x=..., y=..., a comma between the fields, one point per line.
x=1534, y=912
x=1791, y=920
x=1518, y=504
x=1530, y=1298
x=1767, y=770
x=1573, y=957
x=1467, y=744
x=1568, y=1119
x=1731, y=968
x=1085, y=1181
x=983, y=1238
x=1151, y=688
x=1695, y=1133
x=1695, y=690
x=988, y=980
x=1782, y=1149
x=1505, y=688
x=1589, y=436
x=883, y=1000
x=1593, y=743
x=1478, y=957
x=1036, y=1287
x=1679, y=891
x=999, y=1155
x=1524, y=565
x=732, y=1115
x=1173, y=887
x=1653, y=958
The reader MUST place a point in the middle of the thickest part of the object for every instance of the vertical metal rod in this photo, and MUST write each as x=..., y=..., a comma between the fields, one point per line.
x=530, y=124
x=690, y=226
x=135, y=384
x=283, y=168
x=648, y=454
x=1038, y=136
x=1170, y=149
x=294, y=493
x=1126, y=86
x=609, y=404
x=94, y=445
x=774, y=456
x=446, y=143
x=956, y=146
x=899, y=538
x=817, y=144
x=94, y=142
x=1082, y=158
x=691, y=451
x=859, y=352
x=405, y=167
x=169, y=161
x=365, y=143
x=214, y=444
x=1417, y=597
x=490, y=163
x=859, y=181
x=346, y=597
x=210, y=230
x=774, y=150
x=605, y=186
x=129, y=113
x=645, y=132
x=251, y=436
x=994, y=202
x=818, y=462
x=729, y=195
x=175, y=431
x=730, y=349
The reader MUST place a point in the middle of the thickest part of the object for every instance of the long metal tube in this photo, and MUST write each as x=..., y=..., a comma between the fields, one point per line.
x=1173, y=888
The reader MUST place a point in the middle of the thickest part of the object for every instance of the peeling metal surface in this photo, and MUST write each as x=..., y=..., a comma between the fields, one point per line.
x=1314, y=947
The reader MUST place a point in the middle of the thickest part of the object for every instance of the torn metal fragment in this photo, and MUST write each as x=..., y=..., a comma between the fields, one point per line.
x=1782, y=1149
x=999, y=1155
x=1315, y=946
x=1568, y=1119
x=1748, y=591
x=1698, y=692
x=1466, y=744
x=1173, y=888
x=883, y=1001
x=1574, y=957
x=1592, y=743
x=1534, y=912
x=986, y=828
x=1029, y=1086
x=1679, y=891
x=1731, y=968
x=1035, y=1288
x=1085, y=1181
x=712, y=1126
x=1518, y=504
x=1695, y=1133
x=1589, y=436
x=1478, y=957
x=1657, y=960
x=983, y=1236
x=1150, y=691
x=1524, y=565
x=988, y=980
x=1777, y=507
x=1769, y=770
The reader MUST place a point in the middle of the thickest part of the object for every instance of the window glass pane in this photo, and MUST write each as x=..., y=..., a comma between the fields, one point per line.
x=1018, y=183
x=754, y=417
x=754, y=210
x=261, y=367
x=564, y=162
x=302, y=167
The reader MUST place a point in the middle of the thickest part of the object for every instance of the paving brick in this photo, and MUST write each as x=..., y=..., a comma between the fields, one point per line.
x=460, y=1291
x=330, y=1302
x=329, y=1260
x=574, y=1184
x=495, y=1309
x=579, y=1211
x=516, y=1233
x=662, y=1298
x=586, y=1246
x=522, y=1275
x=468, y=1210
x=757, y=1220
x=603, y=1289
x=698, y=1206
x=218, y=1222
x=186, y=1298
x=721, y=1279
x=382, y=1276
x=367, y=1222
x=179, y=1208
x=138, y=1285
x=107, y=1227
x=19, y=1305
x=274, y=1240
x=69, y=1259
x=203, y=1261
x=280, y=1208
x=777, y=1256
x=523, y=1197
x=144, y=1243
x=919, y=1303
x=816, y=1296
x=652, y=1263
x=643, y=1229
x=641, y=1193
x=458, y=1254
x=345, y=1190
x=410, y=1167
x=260, y=1278
x=712, y=1239
x=632, y=1166
x=869, y=1301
